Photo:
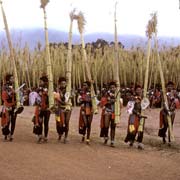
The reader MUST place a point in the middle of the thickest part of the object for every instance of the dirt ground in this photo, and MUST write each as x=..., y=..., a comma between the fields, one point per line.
x=24, y=159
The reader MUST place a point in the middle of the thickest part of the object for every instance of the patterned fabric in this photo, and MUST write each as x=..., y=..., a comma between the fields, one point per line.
x=86, y=112
x=8, y=97
x=7, y=115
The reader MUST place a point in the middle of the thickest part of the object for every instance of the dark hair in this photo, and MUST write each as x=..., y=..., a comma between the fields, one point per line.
x=158, y=86
x=7, y=77
x=61, y=79
x=170, y=83
x=137, y=86
x=44, y=79
x=112, y=83
x=87, y=82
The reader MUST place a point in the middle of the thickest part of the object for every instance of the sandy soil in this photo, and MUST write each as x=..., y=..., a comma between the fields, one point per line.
x=24, y=159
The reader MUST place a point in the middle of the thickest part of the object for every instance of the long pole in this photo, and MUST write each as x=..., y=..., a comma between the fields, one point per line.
x=170, y=131
x=81, y=23
x=69, y=63
x=48, y=59
x=12, y=56
x=116, y=71
x=145, y=100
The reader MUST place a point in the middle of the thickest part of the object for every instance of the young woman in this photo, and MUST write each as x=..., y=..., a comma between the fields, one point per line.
x=8, y=119
x=42, y=113
x=62, y=114
x=108, y=116
x=86, y=113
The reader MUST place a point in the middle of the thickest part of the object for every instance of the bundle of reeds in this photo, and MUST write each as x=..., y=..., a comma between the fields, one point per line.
x=12, y=56
x=48, y=59
x=69, y=62
x=100, y=62
x=150, y=30
x=145, y=101
x=170, y=131
x=116, y=71
x=81, y=23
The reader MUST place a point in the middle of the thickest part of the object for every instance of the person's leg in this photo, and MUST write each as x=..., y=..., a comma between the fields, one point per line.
x=40, y=124
x=67, y=118
x=106, y=127
x=113, y=127
x=84, y=117
x=46, y=124
x=12, y=119
x=89, y=121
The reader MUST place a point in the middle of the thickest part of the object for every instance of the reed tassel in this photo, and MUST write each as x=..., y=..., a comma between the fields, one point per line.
x=69, y=62
x=81, y=24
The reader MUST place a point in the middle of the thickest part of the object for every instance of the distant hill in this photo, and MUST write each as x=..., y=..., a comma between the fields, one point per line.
x=32, y=36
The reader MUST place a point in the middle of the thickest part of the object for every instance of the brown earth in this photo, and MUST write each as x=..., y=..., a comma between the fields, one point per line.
x=24, y=159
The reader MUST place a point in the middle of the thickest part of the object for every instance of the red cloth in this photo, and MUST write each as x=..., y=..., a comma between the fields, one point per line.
x=4, y=118
x=81, y=121
x=103, y=101
x=87, y=111
x=44, y=100
x=177, y=102
x=36, y=115
x=9, y=102
x=161, y=119
x=102, y=118
x=135, y=123
x=5, y=98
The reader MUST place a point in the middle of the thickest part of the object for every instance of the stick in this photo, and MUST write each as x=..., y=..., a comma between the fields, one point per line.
x=81, y=23
x=48, y=65
x=116, y=71
x=12, y=56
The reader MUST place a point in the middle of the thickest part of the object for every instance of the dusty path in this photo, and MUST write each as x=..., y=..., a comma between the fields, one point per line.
x=24, y=159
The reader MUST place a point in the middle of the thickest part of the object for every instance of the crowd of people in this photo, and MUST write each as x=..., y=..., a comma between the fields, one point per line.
x=130, y=97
